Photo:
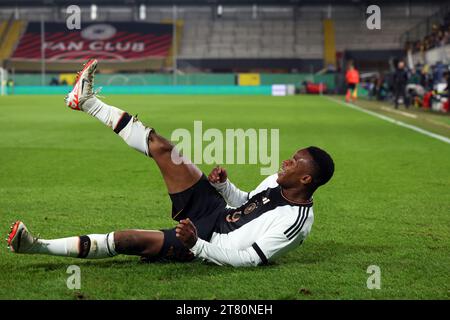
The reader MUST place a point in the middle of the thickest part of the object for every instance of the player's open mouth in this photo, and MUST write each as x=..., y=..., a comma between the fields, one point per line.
x=282, y=171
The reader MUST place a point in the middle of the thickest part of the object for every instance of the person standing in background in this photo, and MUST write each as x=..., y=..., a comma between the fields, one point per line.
x=352, y=79
x=400, y=81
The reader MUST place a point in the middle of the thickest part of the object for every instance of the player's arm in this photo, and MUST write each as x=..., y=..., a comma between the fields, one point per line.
x=232, y=194
x=222, y=256
x=187, y=233
x=269, y=246
x=259, y=253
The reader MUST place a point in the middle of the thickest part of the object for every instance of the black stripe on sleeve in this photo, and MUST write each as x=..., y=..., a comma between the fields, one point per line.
x=260, y=253
x=302, y=219
x=300, y=213
x=123, y=121
x=297, y=230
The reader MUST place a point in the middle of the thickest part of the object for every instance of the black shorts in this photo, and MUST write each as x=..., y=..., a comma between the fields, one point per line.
x=351, y=86
x=203, y=205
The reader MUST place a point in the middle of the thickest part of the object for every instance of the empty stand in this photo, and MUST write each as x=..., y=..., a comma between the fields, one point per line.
x=274, y=32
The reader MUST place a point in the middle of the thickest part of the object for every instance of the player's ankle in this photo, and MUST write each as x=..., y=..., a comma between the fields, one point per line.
x=87, y=105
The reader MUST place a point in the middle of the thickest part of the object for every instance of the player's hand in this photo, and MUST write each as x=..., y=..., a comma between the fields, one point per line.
x=218, y=175
x=187, y=233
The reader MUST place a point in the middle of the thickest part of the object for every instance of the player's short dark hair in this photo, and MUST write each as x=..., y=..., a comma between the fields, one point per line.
x=324, y=165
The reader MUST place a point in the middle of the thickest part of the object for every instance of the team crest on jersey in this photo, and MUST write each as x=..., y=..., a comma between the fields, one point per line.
x=249, y=209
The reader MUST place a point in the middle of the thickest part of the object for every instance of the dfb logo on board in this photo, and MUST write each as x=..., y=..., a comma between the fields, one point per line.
x=374, y=20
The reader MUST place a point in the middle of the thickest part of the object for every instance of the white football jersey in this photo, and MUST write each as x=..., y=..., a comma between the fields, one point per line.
x=262, y=225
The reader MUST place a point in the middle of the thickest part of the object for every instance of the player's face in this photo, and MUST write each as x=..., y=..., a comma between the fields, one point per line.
x=296, y=170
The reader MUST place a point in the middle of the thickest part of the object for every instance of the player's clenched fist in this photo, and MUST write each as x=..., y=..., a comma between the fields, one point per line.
x=217, y=175
x=186, y=232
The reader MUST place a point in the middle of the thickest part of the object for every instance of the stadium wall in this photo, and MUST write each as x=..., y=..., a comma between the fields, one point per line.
x=155, y=89
x=301, y=65
x=192, y=79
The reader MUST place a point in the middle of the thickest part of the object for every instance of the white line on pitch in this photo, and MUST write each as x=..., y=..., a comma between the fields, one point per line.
x=399, y=123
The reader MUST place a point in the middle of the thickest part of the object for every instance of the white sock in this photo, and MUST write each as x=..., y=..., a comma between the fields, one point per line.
x=129, y=128
x=93, y=246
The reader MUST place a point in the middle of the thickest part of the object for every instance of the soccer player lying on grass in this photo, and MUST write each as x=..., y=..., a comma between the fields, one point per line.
x=253, y=229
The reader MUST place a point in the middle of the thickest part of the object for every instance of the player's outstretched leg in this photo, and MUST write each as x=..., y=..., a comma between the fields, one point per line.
x=145, y=243
x=178, y=176
x=82, y=97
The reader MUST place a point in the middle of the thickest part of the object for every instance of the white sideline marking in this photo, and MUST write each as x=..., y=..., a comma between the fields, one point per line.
x=406, y=114
x=399, y=123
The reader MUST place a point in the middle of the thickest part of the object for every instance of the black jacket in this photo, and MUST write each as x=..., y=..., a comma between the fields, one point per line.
x=400, y=78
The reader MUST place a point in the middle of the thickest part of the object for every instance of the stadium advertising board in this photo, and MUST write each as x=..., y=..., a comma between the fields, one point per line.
x=109, y=41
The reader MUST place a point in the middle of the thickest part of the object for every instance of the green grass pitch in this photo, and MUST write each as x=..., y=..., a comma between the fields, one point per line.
x=64, y=174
